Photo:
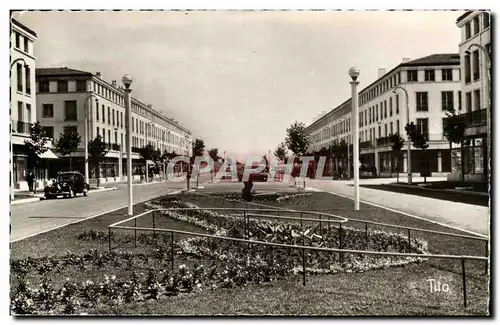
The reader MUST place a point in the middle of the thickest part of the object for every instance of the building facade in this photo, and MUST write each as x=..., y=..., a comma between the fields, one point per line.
x=64, y=96
x=433, y=87
x=471, y=161
x=22, y=100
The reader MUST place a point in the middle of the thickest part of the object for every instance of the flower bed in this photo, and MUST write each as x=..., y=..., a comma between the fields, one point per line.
x=39, y=288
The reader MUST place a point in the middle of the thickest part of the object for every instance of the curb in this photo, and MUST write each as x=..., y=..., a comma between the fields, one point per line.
x=469, y=193
x=41, y=198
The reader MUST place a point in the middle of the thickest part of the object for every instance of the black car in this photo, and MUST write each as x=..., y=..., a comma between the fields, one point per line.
x=68, y=184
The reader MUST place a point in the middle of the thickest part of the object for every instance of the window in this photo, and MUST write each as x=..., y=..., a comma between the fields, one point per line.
x=70, y=110
x=20, y=111
x=366, y=117
x=397, y=126
x=81, y=85
x=467, y=31
x=486, y=20
x=477, y=99
x=132, y=124
x=43, y=86
x=412, y=75
x=429, y=75
x=423, y=127
x=385, y=108
x=447, y=100
x=116, y=137
x=109, y=115
x=397, y=104
x=103, y=135
x=49, y=131
x=28, y=112
x=62, y=86
x=422, y=102
x=468, y=101
x=71, y=128
x=27, y=74
x=459, y=100
x=447, y=75
x=476, y=25
x=121, y=119
x=385, y=129
x=136, y=124
x=467, y=68
x=475, y=65
x=391, y=128
x=18, y=40
x=109, y=136
x=376, y=111
x=121, y=143
x=47, y=110
x=379, y=131
x=113, y=115
x=26, y=45
x=370, y=116
x=97, y=114
x=19, y=77
x=390, y=106
x=103, y=114
x=97, y=131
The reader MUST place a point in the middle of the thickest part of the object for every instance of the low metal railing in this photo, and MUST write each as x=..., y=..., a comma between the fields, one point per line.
x=118, y=225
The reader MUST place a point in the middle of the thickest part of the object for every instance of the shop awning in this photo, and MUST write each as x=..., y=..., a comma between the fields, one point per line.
x=48, y=155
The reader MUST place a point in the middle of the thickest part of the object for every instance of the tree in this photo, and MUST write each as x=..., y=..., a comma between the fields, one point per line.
x=214, y=154
x=419, y=141
x=36, y=145
x=281, y=151
x=98, y=150
x=198, y=147
x=397, y=143
x=297, y=139
x=147, y=153
x=454, y=130
x=68, y=142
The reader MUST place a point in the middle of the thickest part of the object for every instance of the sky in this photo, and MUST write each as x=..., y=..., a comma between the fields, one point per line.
x=238, y=79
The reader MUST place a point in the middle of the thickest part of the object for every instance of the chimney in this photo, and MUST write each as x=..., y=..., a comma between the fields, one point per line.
x=113, y=83
x=150, y=106
x=406, y=60
x=98, y=74
x=381, y=72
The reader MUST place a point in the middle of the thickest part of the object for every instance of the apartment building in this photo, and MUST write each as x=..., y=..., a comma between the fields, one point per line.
x=23, y=103
x=433, y=87
x=65, y=95
x=475, y=33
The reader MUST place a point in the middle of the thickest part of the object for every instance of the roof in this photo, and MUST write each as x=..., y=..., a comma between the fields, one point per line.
x=45, y=72
x=463, y=16
x=435, y=59
x=24, y=27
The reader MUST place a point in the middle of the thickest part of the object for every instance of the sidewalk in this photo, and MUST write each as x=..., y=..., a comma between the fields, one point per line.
x=472, y=218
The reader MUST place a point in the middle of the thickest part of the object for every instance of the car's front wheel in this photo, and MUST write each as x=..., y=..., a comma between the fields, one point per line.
x=71, y=193
x=85, y=192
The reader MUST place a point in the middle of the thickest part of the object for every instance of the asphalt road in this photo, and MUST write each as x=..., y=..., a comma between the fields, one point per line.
x=31, y=218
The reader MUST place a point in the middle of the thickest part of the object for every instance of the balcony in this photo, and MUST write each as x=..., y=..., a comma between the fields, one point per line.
x=135, y=149
x=21, y=127
x=385, y=141
x=474, y=118
x=365, y=144
x=115, y=147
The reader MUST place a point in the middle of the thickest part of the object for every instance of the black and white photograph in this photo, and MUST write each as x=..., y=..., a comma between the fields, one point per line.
x=190, y=162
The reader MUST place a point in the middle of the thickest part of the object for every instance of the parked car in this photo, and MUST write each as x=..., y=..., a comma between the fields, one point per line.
x=67, y=184
x=254, y=177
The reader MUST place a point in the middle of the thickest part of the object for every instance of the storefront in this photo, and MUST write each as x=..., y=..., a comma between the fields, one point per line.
x=472, y=158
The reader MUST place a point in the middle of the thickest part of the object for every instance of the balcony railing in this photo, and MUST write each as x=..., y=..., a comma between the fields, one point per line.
x=21, y=127
x=115, y=147
x=473, y=118
x=135, y=149
x=365, y=144
x=385, y=141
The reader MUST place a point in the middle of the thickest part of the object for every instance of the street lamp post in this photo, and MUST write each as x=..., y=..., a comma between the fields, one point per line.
x=486, y=65
x=408, y=140
x=11, y=129
x=354, y=74
x=127, y=81
x=86, y=135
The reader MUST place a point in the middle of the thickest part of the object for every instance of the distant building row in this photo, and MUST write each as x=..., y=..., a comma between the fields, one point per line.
x=435, y=84
x=60, y=97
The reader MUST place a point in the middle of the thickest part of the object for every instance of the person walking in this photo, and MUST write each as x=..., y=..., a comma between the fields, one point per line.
x=30, y=178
